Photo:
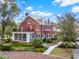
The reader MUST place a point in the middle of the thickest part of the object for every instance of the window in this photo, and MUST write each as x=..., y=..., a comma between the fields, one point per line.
x=24, y=37
x=31, y=36
x=47, y=27
x=19, y=36
x=38, y=35
x=37, y=28
x=16, y=36
x=47, y=35
x=21, y=28
x=29, y=21
x=30, y=27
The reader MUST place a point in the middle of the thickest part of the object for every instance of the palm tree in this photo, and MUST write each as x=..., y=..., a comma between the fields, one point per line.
x=8, y=11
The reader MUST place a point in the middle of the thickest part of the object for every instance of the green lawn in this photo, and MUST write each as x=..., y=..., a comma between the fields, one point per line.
x=62, y=52
x=1, y=57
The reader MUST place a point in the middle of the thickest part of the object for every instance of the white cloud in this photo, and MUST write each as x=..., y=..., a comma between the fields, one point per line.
x=65, y=2
x=59, y=15
x=2, y=1
x=75, y=9
x=58, y=1
x=23, y=2
x=40, y=13
x=29, y=8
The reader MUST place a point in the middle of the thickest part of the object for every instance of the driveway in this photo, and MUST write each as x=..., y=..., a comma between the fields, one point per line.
x=27, y=55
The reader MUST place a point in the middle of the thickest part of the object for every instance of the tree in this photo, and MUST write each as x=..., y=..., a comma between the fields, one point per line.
x=8, y=11
x=9, y=28
x=67, y=27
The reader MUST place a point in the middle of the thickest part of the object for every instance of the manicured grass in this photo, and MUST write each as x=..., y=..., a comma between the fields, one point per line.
x=1, y=57
x=62, y=52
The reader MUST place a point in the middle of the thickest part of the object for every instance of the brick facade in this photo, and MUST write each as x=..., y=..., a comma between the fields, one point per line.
x=33, y=25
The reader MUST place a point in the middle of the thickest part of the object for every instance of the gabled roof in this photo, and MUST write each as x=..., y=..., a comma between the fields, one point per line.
x=25, y=18
x=40, y=21
x=35, y=19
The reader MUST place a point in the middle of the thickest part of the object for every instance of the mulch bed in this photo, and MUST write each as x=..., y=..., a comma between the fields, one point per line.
x=27, y=55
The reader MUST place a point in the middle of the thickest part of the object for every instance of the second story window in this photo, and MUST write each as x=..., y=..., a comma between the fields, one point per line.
x=21, y=29
x=37, y=28
x=29, y=21
x=30, y=27
x=47, y=27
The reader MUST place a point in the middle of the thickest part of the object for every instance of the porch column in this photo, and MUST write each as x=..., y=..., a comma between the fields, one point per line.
x=28, y=37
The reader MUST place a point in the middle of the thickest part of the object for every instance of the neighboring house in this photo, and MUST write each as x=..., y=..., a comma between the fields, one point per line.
x=32, y=28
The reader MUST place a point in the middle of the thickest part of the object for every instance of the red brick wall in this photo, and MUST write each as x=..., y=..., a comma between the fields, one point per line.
x=26, y=26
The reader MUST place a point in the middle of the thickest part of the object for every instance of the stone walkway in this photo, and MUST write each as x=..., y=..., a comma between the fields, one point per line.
x=50, y=49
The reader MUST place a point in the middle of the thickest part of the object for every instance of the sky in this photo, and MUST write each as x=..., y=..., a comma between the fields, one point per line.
x=47, y=8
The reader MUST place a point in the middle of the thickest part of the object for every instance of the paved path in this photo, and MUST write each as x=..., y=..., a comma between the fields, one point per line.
x=76, y=54
x=49, y=50
x=78, y=43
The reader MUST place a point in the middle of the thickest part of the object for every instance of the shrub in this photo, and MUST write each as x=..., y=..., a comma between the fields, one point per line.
x=47, y=40
x=8, y=40
x=29, y=49
x=22, y=44
x=44, y=40
x=37, y=42
x=6, y=47
x=39, y=49
x=55, y=38
x=0, y=46
x=68, y=45
x=19, y=48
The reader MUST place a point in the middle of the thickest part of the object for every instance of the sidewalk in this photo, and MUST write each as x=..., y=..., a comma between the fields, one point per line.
x=49, y=50
x=75, y=53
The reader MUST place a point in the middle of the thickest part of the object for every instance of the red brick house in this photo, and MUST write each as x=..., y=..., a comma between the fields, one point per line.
x=32, y=28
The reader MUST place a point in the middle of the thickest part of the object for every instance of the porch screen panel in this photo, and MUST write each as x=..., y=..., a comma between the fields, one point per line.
x=16, y=36
x=20, y=36
x=24, y=37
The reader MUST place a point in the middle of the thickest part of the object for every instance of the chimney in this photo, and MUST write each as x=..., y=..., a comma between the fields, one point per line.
x=48, y=21
x=26, y=13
